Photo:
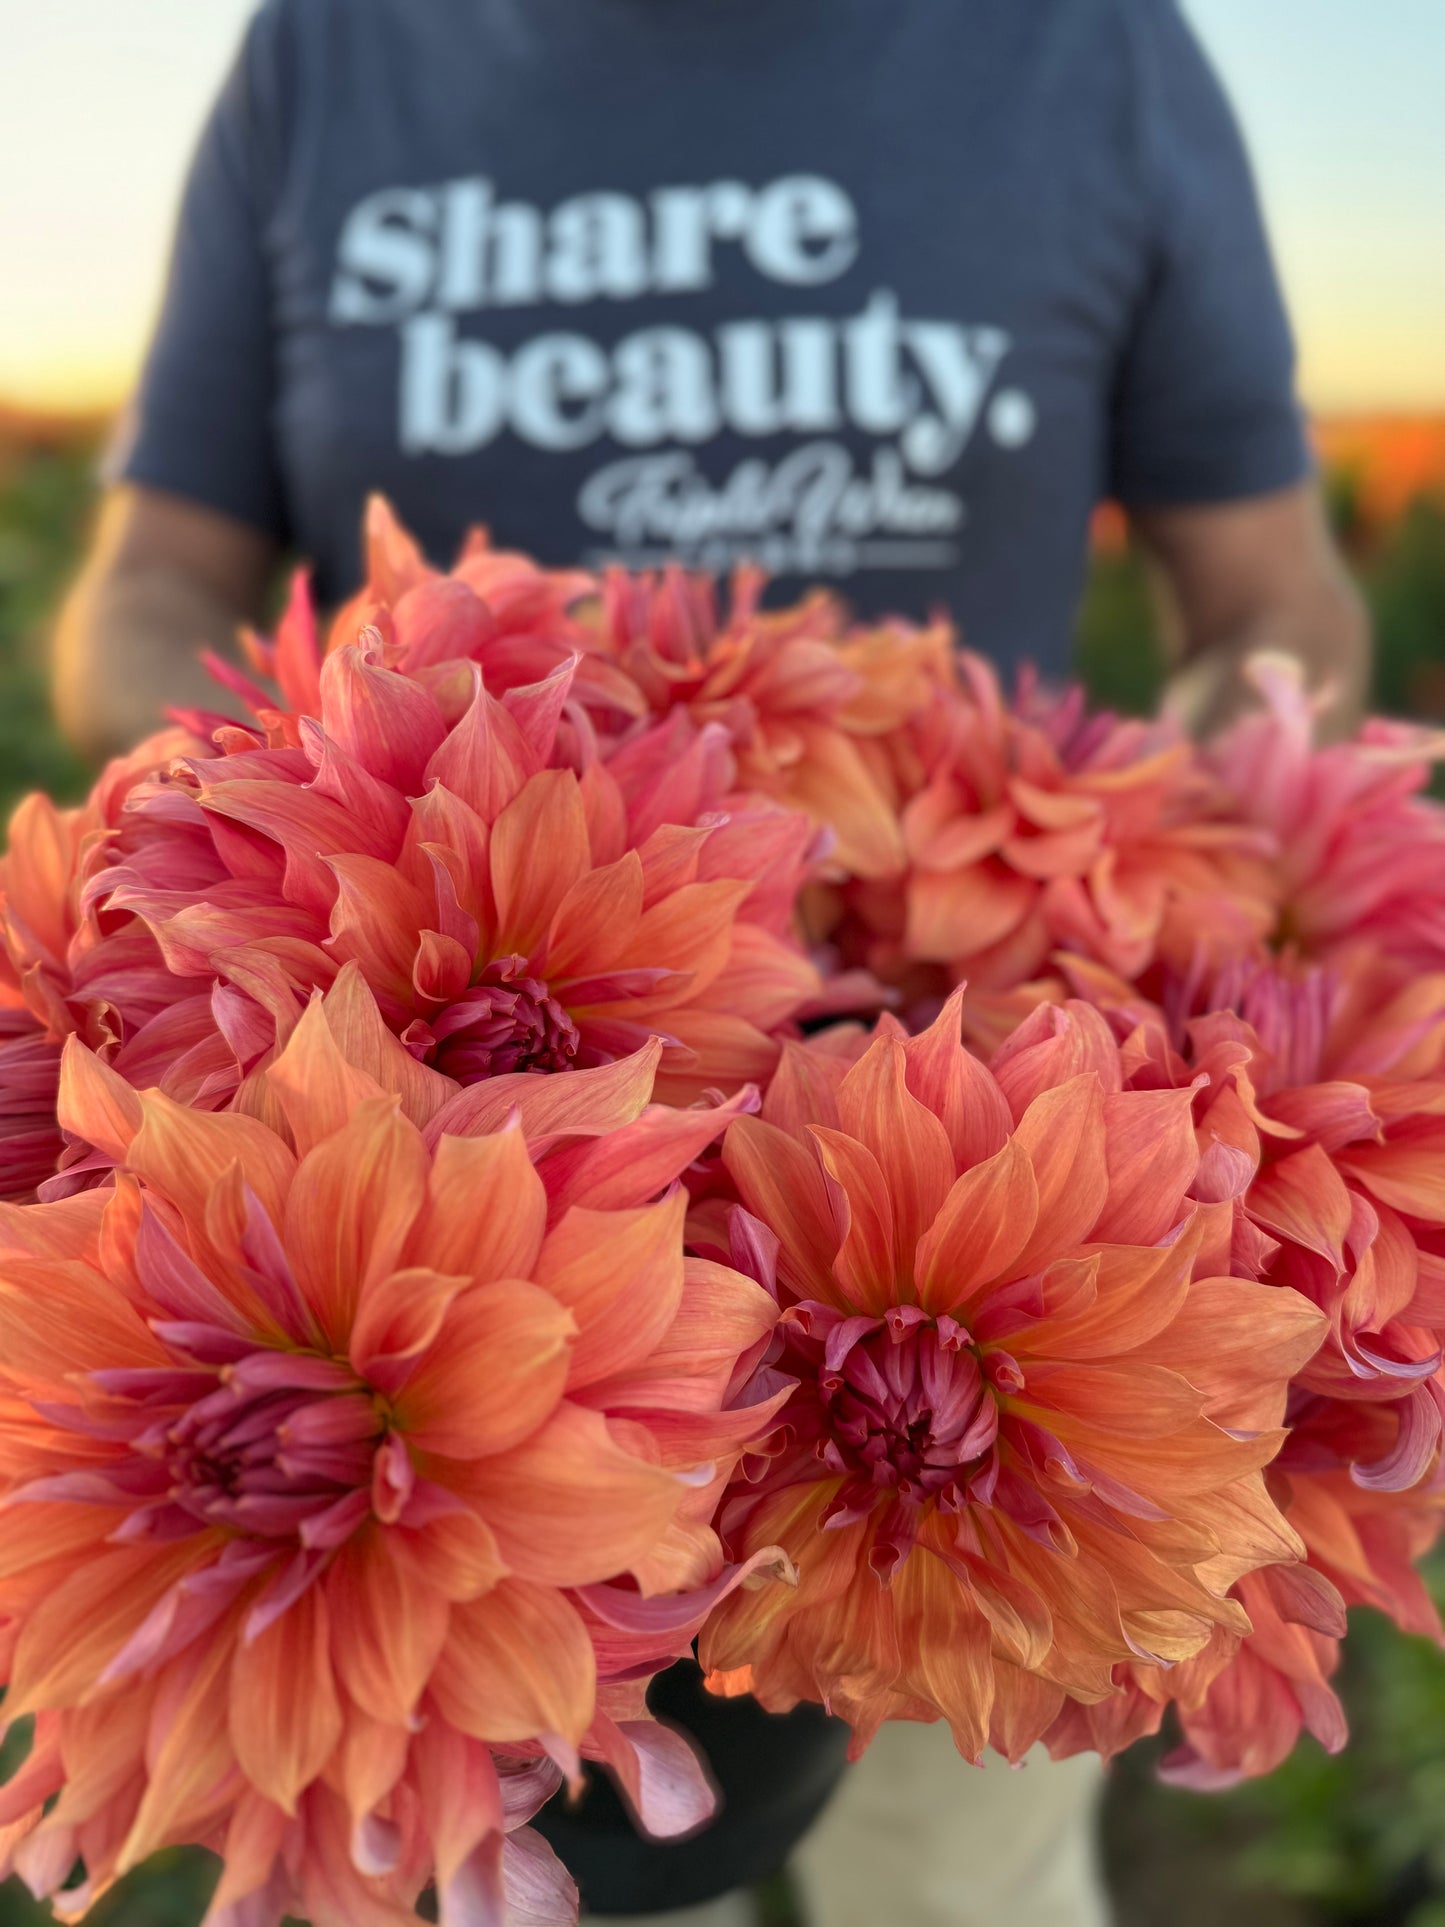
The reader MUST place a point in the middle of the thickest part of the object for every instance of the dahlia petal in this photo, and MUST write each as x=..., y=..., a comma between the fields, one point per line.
x=454, y=1553
x=1131, y=1398
x=715, y=1050
x=365, y=1042
x=782, y=1184
x=537, y=707
x=1416, y=1446
x=380, y=810
x=546, y=814
x=187, y=1754
x=485, y=761
x=629, y=1166
x=1305, y=1597
x=833, y=783
x=441, y=619
x=1407, y=1173
x=398, y=1319
x=1152, y=1159
x=721, y=1319
x=1024, y=1709
x=948, y=1643
x=986, y=1221
x=67, y=1228
x=603, y=904
x=350, y=1210
x=1061, y=1134
x=1050, y=1048
x=1134, y=1295
x=1019, y=1615
x=184, y=1154
x=662, y=1779
x=317, y=1087
x=539, y=1890
x=517, y=1665
x=569, y=1507
x=95, y=1105
x=37, y=1533
x=386, y=1630
x=375, y=921
x=486, y=1209
x=173, y=1281
x=951, y=1082
x=59, y=1317
x=587, y=1103
x=956, y=915
x=493, y=1374
x=307, y=830
x=912, y=1147
x=620, y=1275
x=254, y=1840
x=1304, y=1200
x=692, y=928
x=866, y=1264
x=387, y=723
x=282, y=1737
x=39, y=864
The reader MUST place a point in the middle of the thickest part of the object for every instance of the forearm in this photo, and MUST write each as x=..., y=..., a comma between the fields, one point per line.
x=127, y=648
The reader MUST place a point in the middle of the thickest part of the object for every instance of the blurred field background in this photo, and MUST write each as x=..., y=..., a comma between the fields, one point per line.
x=1354, y=1841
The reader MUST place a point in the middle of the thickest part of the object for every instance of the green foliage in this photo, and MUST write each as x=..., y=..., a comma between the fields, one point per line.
x=1117, y=650
x=43, y=514
x=1406, y=591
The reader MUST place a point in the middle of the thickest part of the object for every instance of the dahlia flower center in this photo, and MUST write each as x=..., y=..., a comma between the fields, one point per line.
x=507, y=1021
x=281, y=1462
x=910, y=1405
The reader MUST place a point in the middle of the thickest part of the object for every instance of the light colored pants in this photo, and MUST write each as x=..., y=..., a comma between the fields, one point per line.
x=916, y=1838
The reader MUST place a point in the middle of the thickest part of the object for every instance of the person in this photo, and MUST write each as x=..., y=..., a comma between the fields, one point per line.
x=887, y=293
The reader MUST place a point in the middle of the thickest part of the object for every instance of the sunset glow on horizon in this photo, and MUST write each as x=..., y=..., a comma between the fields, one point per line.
x=97, y=117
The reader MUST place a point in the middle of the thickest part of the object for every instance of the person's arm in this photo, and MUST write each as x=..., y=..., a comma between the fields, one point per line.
x=166, y=578
x=1263, y=573
x=1207, y=448
x=189, y=537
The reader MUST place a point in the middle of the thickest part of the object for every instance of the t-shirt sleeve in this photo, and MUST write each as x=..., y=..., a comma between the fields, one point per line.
x=202, y=421
x=1205, y=408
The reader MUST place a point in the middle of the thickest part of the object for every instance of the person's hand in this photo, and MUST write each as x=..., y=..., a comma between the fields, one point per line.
x=1246, y=578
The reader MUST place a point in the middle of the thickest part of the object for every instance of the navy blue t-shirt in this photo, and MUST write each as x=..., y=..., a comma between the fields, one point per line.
x=883, y=292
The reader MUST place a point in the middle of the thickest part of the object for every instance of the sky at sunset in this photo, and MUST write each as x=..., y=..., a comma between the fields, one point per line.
x=100, y=101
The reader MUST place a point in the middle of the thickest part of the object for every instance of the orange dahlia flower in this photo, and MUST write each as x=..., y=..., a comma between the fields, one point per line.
x=1036, y=827
x=1001, y=1475
x=507, y=914
x=69, y=967
x=352, y=1489
x=1315, y=1096
x=801, y=693
x=1360, y=848
x=1318, y=1098
x=496, y=608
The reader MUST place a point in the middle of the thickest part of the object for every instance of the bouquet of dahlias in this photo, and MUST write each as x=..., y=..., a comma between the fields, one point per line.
x=593, y=1120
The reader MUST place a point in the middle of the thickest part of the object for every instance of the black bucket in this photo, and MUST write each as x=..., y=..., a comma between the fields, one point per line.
x=775, y=1774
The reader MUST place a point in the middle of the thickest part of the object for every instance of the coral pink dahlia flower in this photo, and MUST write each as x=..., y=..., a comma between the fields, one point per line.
x=350, y=1493
x=1000, y=1476
x=508, y=915
x=68, y=967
